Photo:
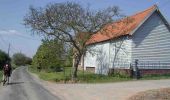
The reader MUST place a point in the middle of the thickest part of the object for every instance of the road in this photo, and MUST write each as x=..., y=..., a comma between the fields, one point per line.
x=24, y=86
x=105, y=91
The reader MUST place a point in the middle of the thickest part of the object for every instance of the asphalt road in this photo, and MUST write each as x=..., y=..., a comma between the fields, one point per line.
x=24, y=86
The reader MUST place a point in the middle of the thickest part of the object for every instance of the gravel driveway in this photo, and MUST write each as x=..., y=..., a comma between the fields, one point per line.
x=105, y=91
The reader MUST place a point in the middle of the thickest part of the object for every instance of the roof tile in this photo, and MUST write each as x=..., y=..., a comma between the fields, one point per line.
x=122, y=27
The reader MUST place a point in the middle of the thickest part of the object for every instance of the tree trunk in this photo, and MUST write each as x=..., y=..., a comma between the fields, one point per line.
x=75, y=67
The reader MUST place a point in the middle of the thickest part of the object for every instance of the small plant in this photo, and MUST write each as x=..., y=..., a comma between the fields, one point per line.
x=120, y=75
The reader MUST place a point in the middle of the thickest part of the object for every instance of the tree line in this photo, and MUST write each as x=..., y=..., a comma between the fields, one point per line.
x=18, y=59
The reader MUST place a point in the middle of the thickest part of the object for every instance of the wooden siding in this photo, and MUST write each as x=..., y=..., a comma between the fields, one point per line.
x=151, y=42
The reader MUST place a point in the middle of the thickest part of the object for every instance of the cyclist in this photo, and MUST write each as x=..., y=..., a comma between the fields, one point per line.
x=6, y=73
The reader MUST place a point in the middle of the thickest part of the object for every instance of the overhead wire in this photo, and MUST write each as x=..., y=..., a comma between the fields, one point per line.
x=2, y=45
x=14, y=50
x=22, y=36
x=19, y=36
x=25, y=37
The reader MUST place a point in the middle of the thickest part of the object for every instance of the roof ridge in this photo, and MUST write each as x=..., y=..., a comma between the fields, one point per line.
x=119, y=20
x=153, y=8
x=122, y=27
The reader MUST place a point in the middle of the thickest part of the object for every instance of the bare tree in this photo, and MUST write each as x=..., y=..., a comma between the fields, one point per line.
x=70, y=23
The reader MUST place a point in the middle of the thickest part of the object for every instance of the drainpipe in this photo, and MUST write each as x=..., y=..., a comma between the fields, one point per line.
x=83, y=63
x=109, y=56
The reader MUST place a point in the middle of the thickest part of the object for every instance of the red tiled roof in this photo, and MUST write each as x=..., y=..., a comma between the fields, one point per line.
x=121, y=27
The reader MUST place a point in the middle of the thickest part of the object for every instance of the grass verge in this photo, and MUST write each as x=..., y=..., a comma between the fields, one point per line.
x=87, y=77
x=83, y=77
x=155, y=77
x=0, y=76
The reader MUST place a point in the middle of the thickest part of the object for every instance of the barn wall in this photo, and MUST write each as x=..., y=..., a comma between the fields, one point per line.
x=98, y=56
x=120, y=53
x=102, y=55
x=151, y=42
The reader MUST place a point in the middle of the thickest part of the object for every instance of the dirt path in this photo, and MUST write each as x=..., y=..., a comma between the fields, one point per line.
x=107, y=91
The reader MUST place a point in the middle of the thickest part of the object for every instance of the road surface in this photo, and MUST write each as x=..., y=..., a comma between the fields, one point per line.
x=24, y=87
x=104, y=91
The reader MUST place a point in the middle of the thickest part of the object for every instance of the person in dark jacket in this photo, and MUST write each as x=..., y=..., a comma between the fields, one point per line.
x=6, y=72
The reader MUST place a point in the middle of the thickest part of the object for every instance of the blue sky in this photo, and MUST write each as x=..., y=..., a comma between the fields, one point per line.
x=14, y=32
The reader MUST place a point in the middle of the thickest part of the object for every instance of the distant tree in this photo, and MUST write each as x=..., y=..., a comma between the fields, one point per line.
x=21, y=59
x=70, y=23
x=49, y=55
x=28, y=61
x=3, y=58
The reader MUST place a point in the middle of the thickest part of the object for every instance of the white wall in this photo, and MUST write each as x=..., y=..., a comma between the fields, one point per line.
x=101, y=55
x=97, y=56
x=123, y=57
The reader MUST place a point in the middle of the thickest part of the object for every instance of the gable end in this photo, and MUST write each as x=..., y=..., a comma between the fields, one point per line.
x=161, y=16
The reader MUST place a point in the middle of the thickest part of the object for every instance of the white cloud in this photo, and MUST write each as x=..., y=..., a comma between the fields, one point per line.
x=10, y=32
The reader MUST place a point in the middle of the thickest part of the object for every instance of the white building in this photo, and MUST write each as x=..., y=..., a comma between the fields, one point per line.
x=144, y=36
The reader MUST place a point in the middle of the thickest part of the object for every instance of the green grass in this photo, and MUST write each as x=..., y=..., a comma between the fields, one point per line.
x=155, y=77
x=87, y=77
x=93, y=78
x=83, y=77
x=14, y=66
x=52, y=76
x=0, y=76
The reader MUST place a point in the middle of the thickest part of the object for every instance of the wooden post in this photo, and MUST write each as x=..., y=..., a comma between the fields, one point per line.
x=137, y=73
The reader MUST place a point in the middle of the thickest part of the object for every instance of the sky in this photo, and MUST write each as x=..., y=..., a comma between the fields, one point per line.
x=21, y=39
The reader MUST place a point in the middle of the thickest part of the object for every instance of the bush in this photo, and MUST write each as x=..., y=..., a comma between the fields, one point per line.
x=3, y=58
x=50, y=56
x=56, y=68
x=120, y=75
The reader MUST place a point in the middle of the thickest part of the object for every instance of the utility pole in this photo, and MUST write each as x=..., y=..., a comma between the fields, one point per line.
x=9, y=48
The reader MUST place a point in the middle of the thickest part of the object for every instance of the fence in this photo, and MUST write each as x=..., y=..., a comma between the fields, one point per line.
x=141, y=68
x=152, y=65
x=134, y=69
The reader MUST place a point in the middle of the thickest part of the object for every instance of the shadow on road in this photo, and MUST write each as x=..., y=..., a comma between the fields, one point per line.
x=14, y=83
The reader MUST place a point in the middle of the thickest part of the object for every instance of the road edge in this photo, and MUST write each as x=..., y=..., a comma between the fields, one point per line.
x=45, y=84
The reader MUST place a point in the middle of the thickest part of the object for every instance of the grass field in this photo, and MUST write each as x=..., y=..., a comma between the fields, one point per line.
x=83, y=77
